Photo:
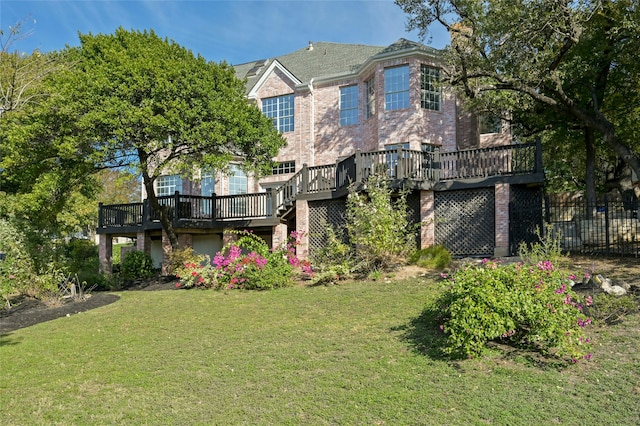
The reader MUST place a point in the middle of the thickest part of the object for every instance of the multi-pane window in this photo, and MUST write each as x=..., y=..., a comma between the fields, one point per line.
x=490, y=123
x=168, y=185
x=284, y=168
x=237, y=181
x=349, y=105
x=430, y=88
x=208, y=184
x=396, y=88
x=370, y=86
x=280, y=110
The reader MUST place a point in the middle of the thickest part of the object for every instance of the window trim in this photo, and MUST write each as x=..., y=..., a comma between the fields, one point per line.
x=351, y=93
x=284, y=167
x=275, y=108
x=162, y=188
x=395, y=88
x=430, y=88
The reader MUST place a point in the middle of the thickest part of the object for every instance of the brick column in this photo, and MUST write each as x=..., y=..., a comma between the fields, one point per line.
x=105, y=254
x=427, y=219
x=143, y=242
x=279, y=235
x=502, y=192
x=302, y=226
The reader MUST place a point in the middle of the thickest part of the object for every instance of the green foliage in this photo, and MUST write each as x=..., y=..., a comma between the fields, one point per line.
x=548, y=247
x=522, y=305
x=186, y=255
x=137, y=264
x=434, y=257
x=334, y=261
x=378, y=227
x=17, y=269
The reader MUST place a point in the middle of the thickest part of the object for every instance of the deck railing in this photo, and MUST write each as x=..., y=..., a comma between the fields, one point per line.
x=398, y=164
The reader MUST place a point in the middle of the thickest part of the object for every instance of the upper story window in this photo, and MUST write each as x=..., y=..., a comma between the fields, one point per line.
x=370, y=86
x=168, y=185
x=349, y=105
x=430, y=88
x=280, y=110
x=396, y=88
x=208, y=184
x=237, y=181
x=284, y=168
x=489, y=123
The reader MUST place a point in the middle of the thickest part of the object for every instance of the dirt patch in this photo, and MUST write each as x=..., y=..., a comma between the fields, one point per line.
x=27, y=311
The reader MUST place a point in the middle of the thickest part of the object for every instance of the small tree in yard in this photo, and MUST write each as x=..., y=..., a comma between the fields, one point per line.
x=378, y=227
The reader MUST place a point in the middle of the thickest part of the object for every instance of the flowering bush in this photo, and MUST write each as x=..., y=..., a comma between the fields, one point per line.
x=516, y=304
x=246, y=263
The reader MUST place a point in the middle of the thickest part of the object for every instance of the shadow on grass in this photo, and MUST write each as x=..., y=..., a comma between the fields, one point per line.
x=424, y=335
x=6, y=340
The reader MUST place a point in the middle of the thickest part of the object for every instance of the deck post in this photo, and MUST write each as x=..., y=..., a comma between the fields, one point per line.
x=399, y=165
x=436, y=167
x=214, y=210
x=305, y=178
x=538, y=156
x=176, y=206
x=272, y=208
x=358, y=165
x=100, y=216
x=302, y=226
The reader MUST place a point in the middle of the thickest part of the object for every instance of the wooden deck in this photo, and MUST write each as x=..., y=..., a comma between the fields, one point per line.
x=413, y=170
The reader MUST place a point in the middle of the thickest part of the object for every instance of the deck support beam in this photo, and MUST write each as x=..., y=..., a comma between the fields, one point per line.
x=427, y=219
x=502, y=197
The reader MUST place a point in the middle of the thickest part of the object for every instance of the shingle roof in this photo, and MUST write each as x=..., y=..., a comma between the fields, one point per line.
x=322, y=59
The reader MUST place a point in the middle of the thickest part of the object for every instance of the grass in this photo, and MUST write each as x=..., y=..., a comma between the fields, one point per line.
x=356, y=354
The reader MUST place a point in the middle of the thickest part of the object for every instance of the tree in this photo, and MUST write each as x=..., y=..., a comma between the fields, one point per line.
x=571, y=58
x=135, y=100
x=21, y=73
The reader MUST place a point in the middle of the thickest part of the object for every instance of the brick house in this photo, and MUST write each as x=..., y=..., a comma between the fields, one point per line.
x=344, y=110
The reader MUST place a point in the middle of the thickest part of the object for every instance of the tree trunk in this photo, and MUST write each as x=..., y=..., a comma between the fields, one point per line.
x=163, y=211
x=590, y=172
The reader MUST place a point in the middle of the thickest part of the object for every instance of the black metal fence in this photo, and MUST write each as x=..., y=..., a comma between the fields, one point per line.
x=606, y=228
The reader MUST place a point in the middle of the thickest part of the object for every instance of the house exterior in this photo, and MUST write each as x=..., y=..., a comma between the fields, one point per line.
x=346, y=110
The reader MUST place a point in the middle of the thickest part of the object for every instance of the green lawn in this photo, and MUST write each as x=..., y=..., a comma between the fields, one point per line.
x=342, y=355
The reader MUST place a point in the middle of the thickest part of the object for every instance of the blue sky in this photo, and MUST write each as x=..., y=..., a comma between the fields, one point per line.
x=236, y=31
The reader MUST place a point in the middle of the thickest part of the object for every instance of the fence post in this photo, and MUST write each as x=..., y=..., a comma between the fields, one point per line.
x=606, y=223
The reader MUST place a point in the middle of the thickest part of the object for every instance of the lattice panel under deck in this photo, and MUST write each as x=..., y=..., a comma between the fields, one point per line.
x=465, y=221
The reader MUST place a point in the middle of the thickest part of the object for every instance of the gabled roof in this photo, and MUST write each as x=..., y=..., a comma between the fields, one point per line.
x=323, y=60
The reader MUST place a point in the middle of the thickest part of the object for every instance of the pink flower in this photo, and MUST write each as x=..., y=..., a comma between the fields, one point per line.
x=589, y=300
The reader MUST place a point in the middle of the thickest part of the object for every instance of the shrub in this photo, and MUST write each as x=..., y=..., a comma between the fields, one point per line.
x=378, y=227
x=334, y=261
x=515, y=304
x=136, y=265
x=248, y=264
x=548, y=247
x=17, y=269
x=435, y=257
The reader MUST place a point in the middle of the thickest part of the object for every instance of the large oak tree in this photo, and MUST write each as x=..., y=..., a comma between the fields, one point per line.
x=571, y=62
